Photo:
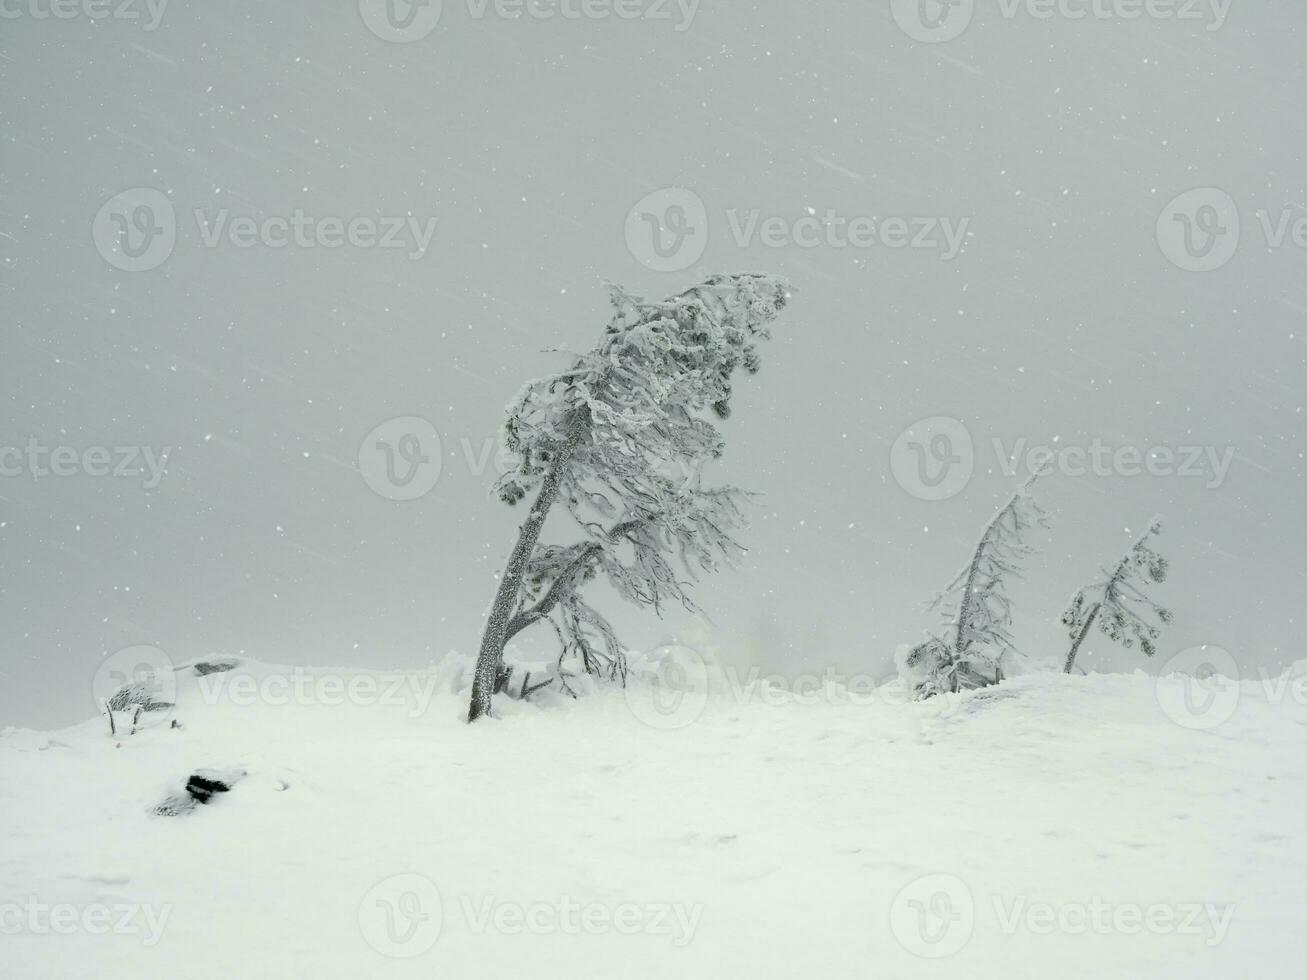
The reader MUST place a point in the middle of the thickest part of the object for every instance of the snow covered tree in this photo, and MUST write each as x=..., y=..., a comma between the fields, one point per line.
x=620, y=439
x=1112, y=602
x=976, y=608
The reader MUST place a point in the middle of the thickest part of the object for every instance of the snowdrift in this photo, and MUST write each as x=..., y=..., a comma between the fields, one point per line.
x=1096, y=826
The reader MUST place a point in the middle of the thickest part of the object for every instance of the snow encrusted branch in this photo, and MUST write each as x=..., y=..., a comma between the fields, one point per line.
x=633, y=480
x=1115, y=602
x=976, y=608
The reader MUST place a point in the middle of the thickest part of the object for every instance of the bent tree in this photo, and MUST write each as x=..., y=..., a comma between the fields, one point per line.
x=620, y=440
x=1112, y=601
x=976, y=608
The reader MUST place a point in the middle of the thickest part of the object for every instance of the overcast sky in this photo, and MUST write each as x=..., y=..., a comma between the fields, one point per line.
x=996, y=241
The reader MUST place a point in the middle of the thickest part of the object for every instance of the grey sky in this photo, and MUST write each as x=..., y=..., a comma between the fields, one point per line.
x=1057, y=144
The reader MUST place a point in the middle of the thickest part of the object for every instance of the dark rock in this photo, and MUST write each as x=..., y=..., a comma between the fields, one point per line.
x=201, y=787
x=204, y=783
x=206, y=667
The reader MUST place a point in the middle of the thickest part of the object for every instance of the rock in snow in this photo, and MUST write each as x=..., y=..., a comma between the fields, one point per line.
x=201, y=786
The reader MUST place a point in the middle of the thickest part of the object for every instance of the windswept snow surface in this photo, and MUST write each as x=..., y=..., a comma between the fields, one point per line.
x=1051, y=824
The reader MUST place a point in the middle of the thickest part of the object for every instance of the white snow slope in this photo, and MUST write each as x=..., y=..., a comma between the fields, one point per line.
x=1062, y=824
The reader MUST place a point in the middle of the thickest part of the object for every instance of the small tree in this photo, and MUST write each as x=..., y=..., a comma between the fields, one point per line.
x=976, y=608
x=620, y=438
x=1112, y=602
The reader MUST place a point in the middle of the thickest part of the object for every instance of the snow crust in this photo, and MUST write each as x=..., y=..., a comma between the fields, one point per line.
x=773, y=834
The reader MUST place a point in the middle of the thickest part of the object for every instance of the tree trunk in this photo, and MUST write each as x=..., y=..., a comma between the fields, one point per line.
x=1109, y=597
x=968, y=594
x=510, y=583
x=1080, y=637
x=960, y=645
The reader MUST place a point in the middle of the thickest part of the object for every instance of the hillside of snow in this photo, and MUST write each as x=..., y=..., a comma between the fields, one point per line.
x=1093, y=826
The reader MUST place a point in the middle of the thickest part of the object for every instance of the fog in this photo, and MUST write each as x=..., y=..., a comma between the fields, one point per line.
x=988, y=231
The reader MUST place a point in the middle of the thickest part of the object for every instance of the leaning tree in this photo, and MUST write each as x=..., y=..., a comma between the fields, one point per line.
x=620, y=439
x=1118, y=602
x=976, y=608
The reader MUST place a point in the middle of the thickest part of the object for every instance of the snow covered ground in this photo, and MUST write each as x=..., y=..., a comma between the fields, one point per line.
x=1094, y=826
